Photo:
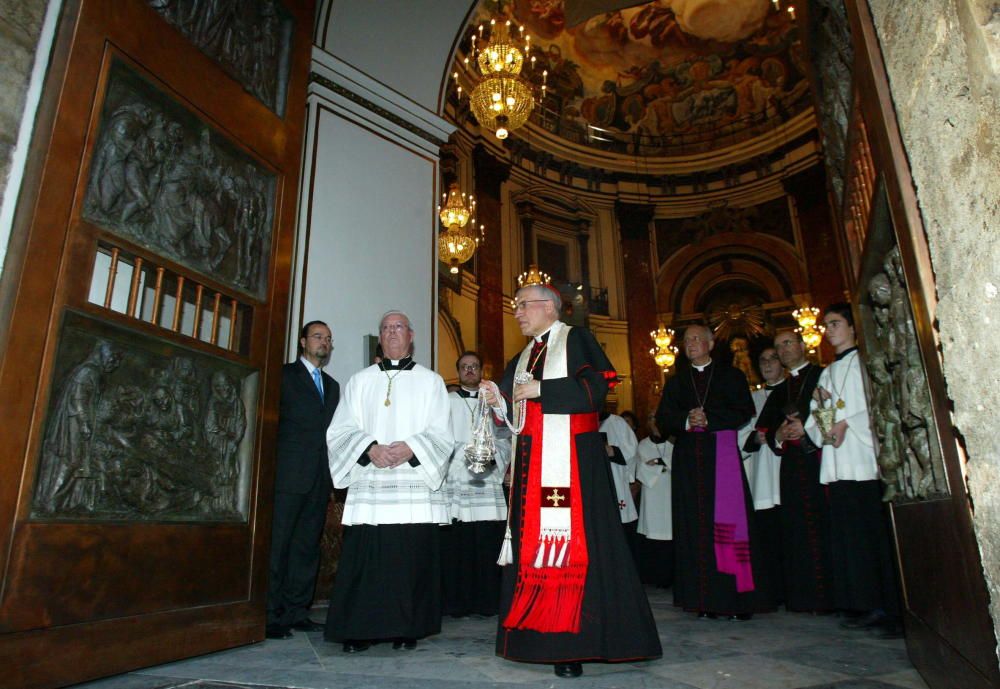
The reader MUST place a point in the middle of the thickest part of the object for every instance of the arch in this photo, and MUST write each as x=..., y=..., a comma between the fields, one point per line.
x=411, y=51
x=450, y=345
x=711, y=276
x=766, y=261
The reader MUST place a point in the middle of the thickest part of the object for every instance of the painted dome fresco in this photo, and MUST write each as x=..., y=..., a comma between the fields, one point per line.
x=664, y=78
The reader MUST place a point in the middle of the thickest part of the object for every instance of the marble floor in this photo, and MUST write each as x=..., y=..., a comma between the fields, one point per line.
x=776, y=651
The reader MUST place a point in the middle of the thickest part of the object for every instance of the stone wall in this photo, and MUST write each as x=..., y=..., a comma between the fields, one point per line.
x=943, y=60
x=20, y=26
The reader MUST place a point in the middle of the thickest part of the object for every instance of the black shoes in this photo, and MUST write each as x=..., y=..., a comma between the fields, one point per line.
x=742, y=617
x=277, y=631
x=707, y=616
x=568, y=669
x=308, y=625
x=408, y=644
x=356, y=646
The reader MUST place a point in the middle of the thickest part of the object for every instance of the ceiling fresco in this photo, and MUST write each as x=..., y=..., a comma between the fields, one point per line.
x=647, y=81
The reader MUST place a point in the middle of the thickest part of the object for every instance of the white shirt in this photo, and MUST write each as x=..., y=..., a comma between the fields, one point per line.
x=620, y=435
x=656, y=519
x=419, y=414
x=855, y=459
x=474, y=497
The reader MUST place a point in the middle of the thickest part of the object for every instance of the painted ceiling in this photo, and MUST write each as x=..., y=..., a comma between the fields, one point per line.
x=665, y=78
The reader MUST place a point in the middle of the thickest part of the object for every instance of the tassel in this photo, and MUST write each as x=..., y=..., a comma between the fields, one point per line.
x=506, y=550
x=561, y=560
x=540, y=556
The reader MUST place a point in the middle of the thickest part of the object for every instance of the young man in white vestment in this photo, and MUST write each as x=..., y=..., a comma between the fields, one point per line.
x=656, y=522
x=763, y=469
x=621, y=450
x=389, y=445
x=470, y=575
x=863, y=575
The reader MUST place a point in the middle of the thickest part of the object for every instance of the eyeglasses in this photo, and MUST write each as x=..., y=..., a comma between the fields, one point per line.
x=394, y=327
x=521, y=306
x=320, y=338
x=469, y=367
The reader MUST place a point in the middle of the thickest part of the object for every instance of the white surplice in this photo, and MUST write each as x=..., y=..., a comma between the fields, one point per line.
x=656, y=519
x=763, y=466
x=855, y=459
x=621, y=435
x=474, y=497
x=419, y=414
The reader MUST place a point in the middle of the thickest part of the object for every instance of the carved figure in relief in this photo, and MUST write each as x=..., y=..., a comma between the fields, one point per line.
x=225, y=425
x=885, y=420
x=68, y=479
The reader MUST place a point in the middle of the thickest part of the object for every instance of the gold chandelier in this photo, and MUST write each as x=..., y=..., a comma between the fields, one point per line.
x=664, y=353
x=503, y=98
x=457, y=243
x=811, y=332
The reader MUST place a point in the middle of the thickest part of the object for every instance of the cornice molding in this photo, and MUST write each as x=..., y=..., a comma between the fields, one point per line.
x=336, y=80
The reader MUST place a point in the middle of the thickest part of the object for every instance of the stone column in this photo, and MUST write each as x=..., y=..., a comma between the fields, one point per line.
x=490, y=176
x=640, y=301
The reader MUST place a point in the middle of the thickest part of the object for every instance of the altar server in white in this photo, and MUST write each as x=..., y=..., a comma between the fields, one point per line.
x=656, y=523
x=476, y=505
x=389, y=445
x=621, y=448
x=863, y=576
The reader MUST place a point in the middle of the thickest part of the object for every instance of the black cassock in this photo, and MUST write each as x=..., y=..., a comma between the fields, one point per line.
x=698, y=585
x=616, y=621
x=805, y=509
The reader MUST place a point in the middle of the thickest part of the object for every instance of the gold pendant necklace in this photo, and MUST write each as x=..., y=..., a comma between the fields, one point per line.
x=388, y=390
x=840, y=404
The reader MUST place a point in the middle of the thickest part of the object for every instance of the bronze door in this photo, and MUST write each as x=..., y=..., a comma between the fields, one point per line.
x=145, y=293
x=949, y=633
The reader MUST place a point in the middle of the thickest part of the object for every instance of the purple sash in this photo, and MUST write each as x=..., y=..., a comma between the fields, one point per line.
x=732, y=535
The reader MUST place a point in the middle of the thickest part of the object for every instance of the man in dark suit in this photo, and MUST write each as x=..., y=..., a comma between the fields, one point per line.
x=302, y=486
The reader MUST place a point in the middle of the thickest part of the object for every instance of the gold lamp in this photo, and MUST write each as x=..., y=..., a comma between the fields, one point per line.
x=459, y=240
x=812, y=333
x=503, y=99
x=664, y=353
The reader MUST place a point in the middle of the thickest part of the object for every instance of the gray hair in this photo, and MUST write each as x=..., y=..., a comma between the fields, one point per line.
x=546, y=293
x=395, y=312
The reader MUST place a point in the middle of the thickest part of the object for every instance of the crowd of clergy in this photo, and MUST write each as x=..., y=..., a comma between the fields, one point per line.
x=737, y=499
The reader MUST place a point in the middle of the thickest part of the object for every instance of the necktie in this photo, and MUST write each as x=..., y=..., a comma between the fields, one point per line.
x=318, y=379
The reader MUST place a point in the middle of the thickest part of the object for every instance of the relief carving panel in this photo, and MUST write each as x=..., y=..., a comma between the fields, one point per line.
x=162, y=178
x=141, y=429
x=250, y=39
x=902, y=414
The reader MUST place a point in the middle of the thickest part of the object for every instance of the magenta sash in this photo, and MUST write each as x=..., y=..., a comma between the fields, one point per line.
x=732, y=535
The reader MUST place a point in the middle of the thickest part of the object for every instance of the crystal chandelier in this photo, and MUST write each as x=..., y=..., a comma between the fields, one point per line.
x=457, y=243
x=664, y=353
x=503, y=99
x=811, y=332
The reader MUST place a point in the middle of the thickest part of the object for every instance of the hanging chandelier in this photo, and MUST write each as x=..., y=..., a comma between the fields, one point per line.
x=459, y=240
x=502, y=99
x=811, y=332
x=664, y=353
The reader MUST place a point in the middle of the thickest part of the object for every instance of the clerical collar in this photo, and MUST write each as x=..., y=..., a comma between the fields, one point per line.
x=795, y=371
x=464, y=392
x=768, y=386
x=404, y=364
x=845, y=353
x=701, y=368
x=545, y=335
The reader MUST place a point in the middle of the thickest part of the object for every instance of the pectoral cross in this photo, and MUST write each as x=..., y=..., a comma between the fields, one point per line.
x=555, y=498
x=621, y=504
